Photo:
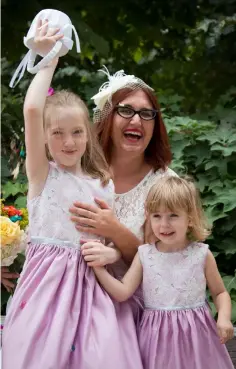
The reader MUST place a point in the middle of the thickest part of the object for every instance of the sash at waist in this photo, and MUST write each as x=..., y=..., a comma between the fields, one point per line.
x=54, y=241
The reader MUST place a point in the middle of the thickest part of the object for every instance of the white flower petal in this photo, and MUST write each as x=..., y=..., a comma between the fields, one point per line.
x=116, y=82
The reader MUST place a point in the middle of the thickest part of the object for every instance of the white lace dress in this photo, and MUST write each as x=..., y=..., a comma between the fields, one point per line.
x=177, y=330
x=129, y=206
x=60, y=317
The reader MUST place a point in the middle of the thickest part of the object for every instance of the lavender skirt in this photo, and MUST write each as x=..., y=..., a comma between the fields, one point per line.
x=181, y=339
x=60, y=317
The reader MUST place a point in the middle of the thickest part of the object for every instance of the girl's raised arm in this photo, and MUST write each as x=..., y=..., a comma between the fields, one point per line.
x=121, y=290
x=36, y=159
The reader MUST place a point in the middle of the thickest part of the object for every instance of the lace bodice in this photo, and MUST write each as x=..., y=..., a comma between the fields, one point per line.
x=49, y=214
x=173, y=280
x=129, y=206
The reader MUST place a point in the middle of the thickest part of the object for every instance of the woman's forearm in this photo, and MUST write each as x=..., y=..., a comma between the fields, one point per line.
x=125, y=241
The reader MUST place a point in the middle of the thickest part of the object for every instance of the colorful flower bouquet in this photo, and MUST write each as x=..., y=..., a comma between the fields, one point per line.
x=13, y=243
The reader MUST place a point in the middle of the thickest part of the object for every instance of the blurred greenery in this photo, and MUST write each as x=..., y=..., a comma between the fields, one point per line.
x=186, y=50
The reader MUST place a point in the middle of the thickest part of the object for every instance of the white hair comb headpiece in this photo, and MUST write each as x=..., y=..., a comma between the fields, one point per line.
x=115, y=82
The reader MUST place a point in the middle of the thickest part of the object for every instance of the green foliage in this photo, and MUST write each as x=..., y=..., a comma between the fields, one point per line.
x=207, y=151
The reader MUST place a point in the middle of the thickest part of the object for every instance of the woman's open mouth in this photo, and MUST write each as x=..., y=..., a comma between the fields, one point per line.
x=133, y=135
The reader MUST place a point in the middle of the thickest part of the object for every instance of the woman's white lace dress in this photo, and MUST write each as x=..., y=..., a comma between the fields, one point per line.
x=129, y=206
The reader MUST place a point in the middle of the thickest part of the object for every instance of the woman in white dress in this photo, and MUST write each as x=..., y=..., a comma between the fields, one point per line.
x=129, y=126
x=132, y=134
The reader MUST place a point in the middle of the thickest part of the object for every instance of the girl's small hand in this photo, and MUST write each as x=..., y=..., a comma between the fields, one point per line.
x=45, y=38
x=96, y=254
x=6, y=277
x=225, y=329
x=95, y=220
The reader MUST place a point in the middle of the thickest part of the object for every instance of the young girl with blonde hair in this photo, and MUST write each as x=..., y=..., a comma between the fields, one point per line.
x=60, y=317
x=177, y=330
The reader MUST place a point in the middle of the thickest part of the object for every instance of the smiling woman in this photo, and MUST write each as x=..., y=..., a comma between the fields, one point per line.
x=130, y=129
x=127, y=112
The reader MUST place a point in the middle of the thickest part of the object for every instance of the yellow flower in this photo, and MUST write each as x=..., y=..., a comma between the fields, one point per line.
x=10, y=231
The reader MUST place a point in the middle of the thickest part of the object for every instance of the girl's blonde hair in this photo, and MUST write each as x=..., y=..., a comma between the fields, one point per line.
x=175, y=193
x=93, y=161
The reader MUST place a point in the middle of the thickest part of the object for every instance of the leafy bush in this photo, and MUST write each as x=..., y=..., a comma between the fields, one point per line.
x=206, y=149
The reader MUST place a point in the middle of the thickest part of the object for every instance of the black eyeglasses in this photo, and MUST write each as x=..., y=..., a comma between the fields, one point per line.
x=127, y=112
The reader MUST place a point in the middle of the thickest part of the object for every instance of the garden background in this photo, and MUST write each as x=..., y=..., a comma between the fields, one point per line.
x=184, y=49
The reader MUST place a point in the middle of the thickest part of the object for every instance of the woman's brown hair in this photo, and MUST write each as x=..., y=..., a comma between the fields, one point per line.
x=93, y=161
x=158, y=153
